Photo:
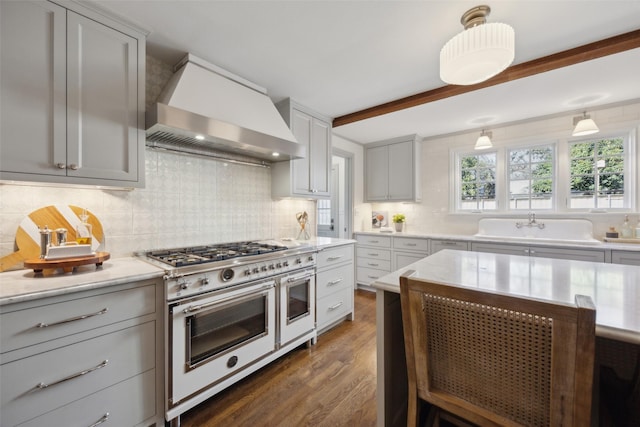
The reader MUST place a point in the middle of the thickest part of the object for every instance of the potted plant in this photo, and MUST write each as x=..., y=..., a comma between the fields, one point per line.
x=398, y=220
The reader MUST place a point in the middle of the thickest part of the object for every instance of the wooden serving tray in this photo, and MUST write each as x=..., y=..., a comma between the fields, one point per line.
x=621, y=240
x=67, y=264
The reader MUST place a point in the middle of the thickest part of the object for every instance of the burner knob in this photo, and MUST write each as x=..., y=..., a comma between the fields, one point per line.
x=183, y=285
x=271, y=267
x=286, y=263
x=310, y=258
x=255, y=270
x=205, y=281
x=263, y=268
x=278, y=265
x=247, y=272
x=298, y=261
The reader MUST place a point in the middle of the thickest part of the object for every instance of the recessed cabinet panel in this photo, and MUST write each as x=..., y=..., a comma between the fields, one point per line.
x=33, y=79
x=401, y=171
x=301, y=127
x=102, y=108
x=320, y=155
x=625, y=257
x=377, y=173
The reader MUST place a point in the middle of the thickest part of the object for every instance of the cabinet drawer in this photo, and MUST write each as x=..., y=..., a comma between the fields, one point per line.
x=407, y=243
x=328, y=282
x=438, y=245
x=625, y=257
x=124, y=407
x=337, y=255
x=334, y=306
x=127, y=353
x=369, y=275
x=402, y=259
x=379, y=241
x=374, y=263
x=22, y=328
x=373, y=253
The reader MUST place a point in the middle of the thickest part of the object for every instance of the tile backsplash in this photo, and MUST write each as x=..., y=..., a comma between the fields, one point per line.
x=188, y=200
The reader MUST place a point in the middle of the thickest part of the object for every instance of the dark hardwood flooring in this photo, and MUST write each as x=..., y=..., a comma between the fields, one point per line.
x=330, y=384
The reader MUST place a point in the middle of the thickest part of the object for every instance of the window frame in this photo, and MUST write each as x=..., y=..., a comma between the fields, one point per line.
x=553, y=145
x=458, y=181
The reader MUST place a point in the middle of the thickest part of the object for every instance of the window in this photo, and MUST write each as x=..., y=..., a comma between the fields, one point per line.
x=478, y=182
x=530, y=175
x=597, y=179
x=324, y=212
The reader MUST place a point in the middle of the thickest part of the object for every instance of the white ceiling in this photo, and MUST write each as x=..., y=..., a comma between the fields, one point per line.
x=338, y=57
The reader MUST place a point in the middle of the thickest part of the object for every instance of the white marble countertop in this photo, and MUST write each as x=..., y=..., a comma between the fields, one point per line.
x=24, y=285
x=615, y=289
x=512, y=241
x=318, y=243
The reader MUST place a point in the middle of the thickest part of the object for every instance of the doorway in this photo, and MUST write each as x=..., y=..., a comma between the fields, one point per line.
x=335, y=214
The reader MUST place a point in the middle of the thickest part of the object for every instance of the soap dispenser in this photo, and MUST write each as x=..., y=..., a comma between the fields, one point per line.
x=626, y=232
x=84, y=230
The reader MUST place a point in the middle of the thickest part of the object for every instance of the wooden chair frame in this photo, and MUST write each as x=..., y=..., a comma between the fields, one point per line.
x=570, y=342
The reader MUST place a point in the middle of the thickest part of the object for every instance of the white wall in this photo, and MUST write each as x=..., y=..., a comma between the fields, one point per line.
x=432, y=214
x=361, y=210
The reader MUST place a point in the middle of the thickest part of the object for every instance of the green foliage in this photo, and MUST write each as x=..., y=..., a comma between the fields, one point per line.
x=398, y=218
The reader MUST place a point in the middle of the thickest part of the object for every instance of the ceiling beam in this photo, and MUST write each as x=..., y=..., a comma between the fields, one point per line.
x=610, y=46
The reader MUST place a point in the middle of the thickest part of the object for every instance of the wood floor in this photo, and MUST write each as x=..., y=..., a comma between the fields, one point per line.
x=330, y=384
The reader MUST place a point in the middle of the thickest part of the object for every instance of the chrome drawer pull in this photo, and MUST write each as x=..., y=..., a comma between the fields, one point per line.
x=335, y=306
x=372, y=264
x=373, y=241
x=372, y=254
x=104, y=418
x=333, y=258
x=334, y=282
x=70, y=377
x=73, y=319
x=373, y=277
x=410, y=244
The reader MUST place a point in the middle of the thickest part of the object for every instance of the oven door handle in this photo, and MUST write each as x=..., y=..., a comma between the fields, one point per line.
x=299, y=278
x=194, y=308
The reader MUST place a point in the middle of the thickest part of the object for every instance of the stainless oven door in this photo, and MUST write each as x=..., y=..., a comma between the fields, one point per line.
x=215, y=335
x=297, y=305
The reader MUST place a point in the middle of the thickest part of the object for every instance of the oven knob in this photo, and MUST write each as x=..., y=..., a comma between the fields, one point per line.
x=263, y=268
x=286, y=263
x=278, y=265
x=205, y=281
x=247, y=272
x=310, y=258
x=233, y=361
x=183, y=285
x=227, y=274
x=298, y=261
x=255, y=270
x=271, y=267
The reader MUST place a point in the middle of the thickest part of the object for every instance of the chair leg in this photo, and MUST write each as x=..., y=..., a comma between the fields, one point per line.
x=412, y=408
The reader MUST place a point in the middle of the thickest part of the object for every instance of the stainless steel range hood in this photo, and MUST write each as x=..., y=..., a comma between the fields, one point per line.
x=206, y=107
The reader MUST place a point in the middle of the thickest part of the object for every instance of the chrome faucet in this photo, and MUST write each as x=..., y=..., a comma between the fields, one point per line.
x=532, y=222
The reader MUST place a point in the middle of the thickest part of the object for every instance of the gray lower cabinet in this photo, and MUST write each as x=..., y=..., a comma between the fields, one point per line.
x=373, y=258
x=72, y=107
x=594, y=255
x=625, y=257
x=335, y=285
x=407, y=250
x=83, y=358
x=440, y=244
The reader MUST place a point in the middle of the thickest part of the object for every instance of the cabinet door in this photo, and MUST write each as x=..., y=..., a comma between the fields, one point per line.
x=402, y=259
x=320, y=157
x=301, y=127
x=438, y=245
x=102, y=103
x=33, y=87
x=625, y=257
x=401, y=174
x=377, y=173
x=497, y=248
x=592, y=255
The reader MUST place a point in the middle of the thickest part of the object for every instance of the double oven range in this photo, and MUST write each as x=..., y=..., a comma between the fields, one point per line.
x=231, y=309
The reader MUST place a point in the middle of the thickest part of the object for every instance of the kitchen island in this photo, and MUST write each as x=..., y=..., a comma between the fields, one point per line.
x=615, y=290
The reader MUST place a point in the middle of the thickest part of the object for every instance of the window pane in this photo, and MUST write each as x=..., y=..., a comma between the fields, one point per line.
x=477, y=181
x=530, y=176
x=597, y=169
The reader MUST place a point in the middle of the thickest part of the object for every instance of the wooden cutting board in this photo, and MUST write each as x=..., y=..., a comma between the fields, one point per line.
x=58, y=216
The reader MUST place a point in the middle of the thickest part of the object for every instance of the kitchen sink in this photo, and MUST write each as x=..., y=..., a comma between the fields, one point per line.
x=538, y=230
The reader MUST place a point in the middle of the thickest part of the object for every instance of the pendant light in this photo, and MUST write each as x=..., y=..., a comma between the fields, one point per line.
x=584, y=125
x=484, y=141
x=479, y=52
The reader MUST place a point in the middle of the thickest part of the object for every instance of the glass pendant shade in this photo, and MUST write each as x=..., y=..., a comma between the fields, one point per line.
x=586, y=126
x=484, y=141
x=478, y=53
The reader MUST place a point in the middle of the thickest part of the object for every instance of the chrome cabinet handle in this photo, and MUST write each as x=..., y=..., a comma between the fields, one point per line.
x=333, y=258
x=372, y=264
x=335, y=306
x=103, y=419
x=410, y=244
x=373, y=241
x=104, y=363
x=73, y=319
x=334, y=282
x=373, y=254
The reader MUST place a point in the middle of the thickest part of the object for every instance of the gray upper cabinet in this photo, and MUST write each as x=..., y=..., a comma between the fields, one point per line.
x=392, y=170
x=72, y=97
x=308, y=177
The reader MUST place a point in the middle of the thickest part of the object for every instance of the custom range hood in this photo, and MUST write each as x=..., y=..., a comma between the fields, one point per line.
x=204, y=108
